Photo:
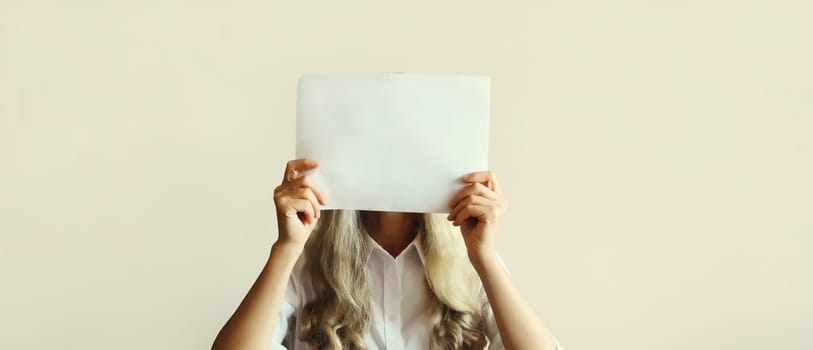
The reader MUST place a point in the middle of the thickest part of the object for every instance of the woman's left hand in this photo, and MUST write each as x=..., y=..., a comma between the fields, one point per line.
x=477, y=209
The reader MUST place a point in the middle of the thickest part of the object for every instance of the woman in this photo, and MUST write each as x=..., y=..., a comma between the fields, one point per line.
x=383, y=279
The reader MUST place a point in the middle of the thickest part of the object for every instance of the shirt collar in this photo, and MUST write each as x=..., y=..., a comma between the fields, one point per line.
x=414, y=245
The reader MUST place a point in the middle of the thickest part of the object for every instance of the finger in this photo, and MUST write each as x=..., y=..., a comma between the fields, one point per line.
x=476, y=188
x=487, y=178
x=307, y=193
x=302, y=206
x=307, y=182
x=466, y=201
x=296, y=166
x=479, y=212
x=301, y=193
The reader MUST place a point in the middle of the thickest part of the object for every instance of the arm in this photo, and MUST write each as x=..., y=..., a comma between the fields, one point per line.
x=477, y=209
x=518, y=324
x=297, y=201
x=252, y=325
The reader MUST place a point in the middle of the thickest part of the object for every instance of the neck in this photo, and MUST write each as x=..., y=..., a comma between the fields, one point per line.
x=393, y=231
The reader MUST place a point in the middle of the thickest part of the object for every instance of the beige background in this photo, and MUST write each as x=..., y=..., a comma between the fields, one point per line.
x=658, y=157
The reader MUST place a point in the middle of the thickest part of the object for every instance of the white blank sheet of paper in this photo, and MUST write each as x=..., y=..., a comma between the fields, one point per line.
x=392, y=141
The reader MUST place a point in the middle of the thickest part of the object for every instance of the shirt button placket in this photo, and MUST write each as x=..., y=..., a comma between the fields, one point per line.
x=392, y=306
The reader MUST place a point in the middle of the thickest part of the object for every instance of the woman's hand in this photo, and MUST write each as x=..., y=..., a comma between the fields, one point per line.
x=298, y=201
x=477, y=209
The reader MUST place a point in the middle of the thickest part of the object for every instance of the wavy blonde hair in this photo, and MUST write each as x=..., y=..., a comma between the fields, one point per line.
x=339, y=316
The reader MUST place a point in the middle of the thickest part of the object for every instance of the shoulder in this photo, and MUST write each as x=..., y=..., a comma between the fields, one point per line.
x=299, y=284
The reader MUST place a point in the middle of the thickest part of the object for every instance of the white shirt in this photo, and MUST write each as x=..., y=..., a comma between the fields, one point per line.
x=400, y=303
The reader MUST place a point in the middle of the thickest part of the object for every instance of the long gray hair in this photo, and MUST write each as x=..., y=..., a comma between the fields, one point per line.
x=339, y=316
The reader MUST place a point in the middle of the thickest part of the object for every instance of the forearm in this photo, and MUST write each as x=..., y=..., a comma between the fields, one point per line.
x=252, y=325
x=518, y=324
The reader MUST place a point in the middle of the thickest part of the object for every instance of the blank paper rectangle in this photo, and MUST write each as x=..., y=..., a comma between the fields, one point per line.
x=392, y=141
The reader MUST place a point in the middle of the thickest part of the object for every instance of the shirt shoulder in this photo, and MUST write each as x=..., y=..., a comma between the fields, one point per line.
x=299, y=289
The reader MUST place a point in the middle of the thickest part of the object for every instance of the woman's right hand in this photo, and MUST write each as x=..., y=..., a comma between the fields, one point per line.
x=298, y=201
